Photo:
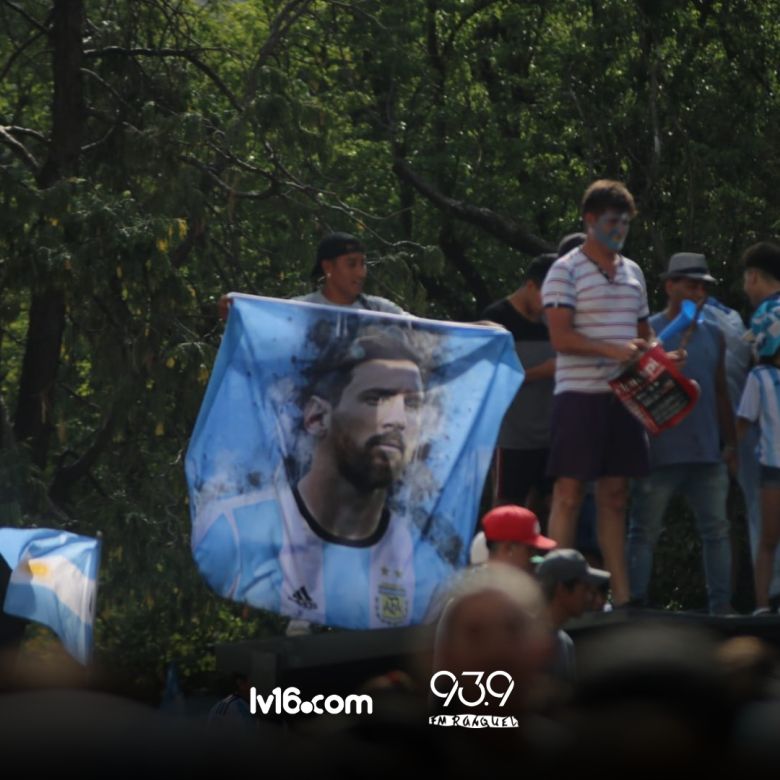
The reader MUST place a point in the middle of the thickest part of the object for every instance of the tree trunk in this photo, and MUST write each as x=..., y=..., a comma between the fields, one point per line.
x=33, y=421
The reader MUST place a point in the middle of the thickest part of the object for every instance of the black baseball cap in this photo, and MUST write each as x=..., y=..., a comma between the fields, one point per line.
x=335, y=245
x=568, y=566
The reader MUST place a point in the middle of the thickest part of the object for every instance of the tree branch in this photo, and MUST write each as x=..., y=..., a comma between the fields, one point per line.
x=187, y=54
x=477, y=8
x=67, y=476
x=20, y=150
x=18, y=52
x=226, y=154
x=90, y=147
x=223, y=185
x=29, y=19
x=501, y=227
x=103, y=83
x=284, y=20
x=16, y=130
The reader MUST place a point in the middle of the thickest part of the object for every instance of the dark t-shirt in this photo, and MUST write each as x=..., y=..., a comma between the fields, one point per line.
x=526, y=425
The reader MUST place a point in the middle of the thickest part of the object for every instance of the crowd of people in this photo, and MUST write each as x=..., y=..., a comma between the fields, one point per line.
x=570, y=454
x=584, y=315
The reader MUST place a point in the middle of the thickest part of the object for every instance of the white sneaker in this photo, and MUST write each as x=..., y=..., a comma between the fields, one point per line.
x=762, y=611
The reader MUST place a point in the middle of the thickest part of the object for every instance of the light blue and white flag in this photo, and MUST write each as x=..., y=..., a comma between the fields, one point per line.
x=54, y=582
x=337, y=464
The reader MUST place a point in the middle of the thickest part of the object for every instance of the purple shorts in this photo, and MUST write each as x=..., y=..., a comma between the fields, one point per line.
x=593, y=436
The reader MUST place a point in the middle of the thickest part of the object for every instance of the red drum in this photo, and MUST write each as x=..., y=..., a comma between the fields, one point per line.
x=654, y=391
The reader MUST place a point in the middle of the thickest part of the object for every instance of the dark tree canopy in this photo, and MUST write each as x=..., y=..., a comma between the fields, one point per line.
x=157, y=153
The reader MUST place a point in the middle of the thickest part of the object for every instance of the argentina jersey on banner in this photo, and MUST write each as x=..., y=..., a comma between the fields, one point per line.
x=337, y=463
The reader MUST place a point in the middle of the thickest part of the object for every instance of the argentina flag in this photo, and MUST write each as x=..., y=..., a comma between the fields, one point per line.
x=54, y=582
x=337, y=463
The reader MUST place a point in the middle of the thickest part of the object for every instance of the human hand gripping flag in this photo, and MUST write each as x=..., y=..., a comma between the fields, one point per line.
x=54, y=582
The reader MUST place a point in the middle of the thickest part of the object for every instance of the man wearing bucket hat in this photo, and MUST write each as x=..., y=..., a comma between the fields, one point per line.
x=691, y=458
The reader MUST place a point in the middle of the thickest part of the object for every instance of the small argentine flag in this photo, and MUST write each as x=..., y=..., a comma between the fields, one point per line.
x=54, y=582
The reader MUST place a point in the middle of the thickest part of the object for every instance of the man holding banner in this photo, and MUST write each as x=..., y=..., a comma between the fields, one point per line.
x=340, y=265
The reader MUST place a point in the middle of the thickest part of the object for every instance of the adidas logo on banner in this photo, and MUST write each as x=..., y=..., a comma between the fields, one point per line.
x=302, y=598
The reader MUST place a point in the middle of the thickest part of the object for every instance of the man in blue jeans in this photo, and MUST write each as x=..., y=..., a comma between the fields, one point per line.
x=694, y=457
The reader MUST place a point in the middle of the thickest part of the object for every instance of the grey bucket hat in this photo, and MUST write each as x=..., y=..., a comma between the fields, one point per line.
x=689, y=265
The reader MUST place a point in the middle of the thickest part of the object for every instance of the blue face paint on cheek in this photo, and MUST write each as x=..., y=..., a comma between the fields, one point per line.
x=610, y=233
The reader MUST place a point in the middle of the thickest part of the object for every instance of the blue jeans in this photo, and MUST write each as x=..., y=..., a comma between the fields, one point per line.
x=705, y=486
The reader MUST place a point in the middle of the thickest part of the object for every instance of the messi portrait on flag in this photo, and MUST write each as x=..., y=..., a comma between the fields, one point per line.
x=338, y=460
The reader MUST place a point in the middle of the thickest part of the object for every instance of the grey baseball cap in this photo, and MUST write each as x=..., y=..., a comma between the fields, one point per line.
x=567, y=566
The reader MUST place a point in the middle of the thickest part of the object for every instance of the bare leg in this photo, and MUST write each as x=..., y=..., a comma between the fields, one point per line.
x=566, y=503
x=767, y=543
x=611, y=505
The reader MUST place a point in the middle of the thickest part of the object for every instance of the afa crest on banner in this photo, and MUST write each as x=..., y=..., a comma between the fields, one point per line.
x=338, y=459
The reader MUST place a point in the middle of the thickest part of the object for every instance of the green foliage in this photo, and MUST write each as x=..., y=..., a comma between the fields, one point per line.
x=220, y=140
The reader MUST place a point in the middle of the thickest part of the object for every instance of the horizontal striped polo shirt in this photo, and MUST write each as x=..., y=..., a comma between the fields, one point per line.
x=603, y=309
x=761, y=403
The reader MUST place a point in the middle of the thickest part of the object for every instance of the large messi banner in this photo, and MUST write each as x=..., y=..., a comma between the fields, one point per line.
x=338, y=459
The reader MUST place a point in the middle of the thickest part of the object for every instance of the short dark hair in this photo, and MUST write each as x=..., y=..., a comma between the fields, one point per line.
x=607, y=194
x=764, y=256
x=332, y=371
x=569, y=242
x=334, y=245
x=538, y=268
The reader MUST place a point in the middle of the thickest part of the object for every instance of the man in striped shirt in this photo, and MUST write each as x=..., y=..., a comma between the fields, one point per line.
x=597, y=313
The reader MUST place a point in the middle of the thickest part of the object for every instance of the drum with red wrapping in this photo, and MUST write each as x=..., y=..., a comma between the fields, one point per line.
x=654, y=391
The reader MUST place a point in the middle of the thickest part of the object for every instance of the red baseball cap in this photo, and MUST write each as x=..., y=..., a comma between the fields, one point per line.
x=510, y=523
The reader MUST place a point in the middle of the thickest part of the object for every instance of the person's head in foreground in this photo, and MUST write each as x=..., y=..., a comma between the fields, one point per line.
x=494, y=621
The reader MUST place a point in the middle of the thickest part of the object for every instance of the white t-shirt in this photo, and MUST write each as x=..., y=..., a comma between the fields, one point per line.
x=761, y=402
x=607, y=310
x=368, y=302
